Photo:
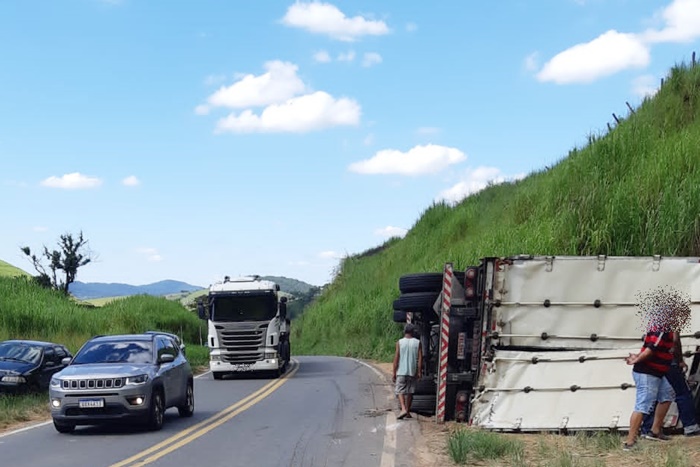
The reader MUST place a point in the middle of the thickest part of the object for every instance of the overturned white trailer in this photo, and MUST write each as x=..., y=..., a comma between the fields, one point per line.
x=556, y=331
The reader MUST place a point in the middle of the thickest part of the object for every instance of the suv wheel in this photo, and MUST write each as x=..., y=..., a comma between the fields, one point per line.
x=63, y=427
x=155, y=421
x=187, y=409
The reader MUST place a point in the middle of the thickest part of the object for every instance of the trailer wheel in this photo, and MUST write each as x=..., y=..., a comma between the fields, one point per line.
x=417, y=301
x=423, y=404
x=399, y=316
x=425, y=282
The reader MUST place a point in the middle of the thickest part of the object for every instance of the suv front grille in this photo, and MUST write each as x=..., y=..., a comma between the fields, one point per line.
x=99, y=383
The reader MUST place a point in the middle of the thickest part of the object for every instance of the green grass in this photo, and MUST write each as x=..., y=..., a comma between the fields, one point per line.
x=6, y=269
x=101, y=301
x=24, y=408
x=466, y=445
x=632, y=191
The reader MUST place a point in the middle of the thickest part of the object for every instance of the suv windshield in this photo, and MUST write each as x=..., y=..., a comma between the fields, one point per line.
x=115, y=352
x=20, y=352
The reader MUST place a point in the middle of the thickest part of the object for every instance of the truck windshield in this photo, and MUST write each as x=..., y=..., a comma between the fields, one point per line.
x=244, y=308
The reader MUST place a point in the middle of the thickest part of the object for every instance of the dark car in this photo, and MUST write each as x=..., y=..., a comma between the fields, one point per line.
x=120, y=378
x=27, y=366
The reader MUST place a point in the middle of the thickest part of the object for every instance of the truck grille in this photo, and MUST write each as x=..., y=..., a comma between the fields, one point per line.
x=100, y=383
x=242, y=343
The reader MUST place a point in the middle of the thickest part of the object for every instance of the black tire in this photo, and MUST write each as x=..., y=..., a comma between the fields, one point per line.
x=423, y=404
x=157, y=411
x=399, y=316
x=217, y=375
x=425, y=282
x=417, y=301
x=187, y=409
x=63, y=427
x=426, y=386
x=397, y=305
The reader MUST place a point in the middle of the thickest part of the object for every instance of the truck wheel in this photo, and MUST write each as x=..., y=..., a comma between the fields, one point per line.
x=157, y=412
x=187, y=409
x=217, y=375
x=426, y=386
x=423, y=404
x=399, y=316
x=425, y=282
x=417, y=301
x=63, y=427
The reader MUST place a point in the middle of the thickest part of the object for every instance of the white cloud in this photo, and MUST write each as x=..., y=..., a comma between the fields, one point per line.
x=531, y=62
x=681, y=23
x=474, y=181
x=279, y=83
x=371, y=58
x=645, y=86
x=72, y=181
x=151, y=254
x=330, y=255
x=348, y=56
x=39, y=228
x=324, y=18
x=411, y=27
x=419, y=160
x=605, y=55
x=322, y=56
x=202, y=109
x=212, y=80
x=298, y=115
x=429, y=130
x=391, y=231
x=131, y=180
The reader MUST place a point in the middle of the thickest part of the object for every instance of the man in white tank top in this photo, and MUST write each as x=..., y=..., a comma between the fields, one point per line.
x=408, y=361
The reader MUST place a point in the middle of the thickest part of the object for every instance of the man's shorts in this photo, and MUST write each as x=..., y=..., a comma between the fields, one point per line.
x=405, y=384
x=649, y=390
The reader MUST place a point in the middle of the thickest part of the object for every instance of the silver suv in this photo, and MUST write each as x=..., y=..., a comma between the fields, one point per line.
x=122, y=377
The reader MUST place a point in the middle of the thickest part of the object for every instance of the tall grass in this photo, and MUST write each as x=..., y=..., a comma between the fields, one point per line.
x=31, y=312
x=632, y=191
x=466, y=445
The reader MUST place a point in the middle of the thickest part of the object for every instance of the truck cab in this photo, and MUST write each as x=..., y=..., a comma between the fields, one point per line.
x=248, y=329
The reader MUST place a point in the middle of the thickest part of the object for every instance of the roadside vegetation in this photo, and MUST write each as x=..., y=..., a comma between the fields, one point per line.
x=467, y=446
x=632, y=190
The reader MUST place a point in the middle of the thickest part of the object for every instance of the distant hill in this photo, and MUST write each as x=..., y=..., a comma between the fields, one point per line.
x=292, y=286
x=90, y=290
x=6, y=269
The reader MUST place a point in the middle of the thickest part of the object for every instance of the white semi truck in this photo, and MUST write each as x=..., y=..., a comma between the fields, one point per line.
x=248, y=329
x=539, y=342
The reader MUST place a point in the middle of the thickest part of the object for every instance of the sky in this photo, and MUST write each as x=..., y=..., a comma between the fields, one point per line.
x=190, y=140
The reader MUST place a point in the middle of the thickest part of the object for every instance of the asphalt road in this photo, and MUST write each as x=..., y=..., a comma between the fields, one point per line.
x=326, y=411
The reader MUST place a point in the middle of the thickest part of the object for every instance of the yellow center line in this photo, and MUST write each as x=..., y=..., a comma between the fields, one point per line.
x=195, y=431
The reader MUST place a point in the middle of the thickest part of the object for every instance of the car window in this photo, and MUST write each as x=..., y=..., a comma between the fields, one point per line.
x=115, y=352
x=49, y=356
x=172, y=347
x=161, y=346
x=60, y=353
x=20, y=352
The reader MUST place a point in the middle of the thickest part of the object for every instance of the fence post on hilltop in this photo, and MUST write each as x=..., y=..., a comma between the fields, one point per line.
x=693, y=58
x=629, y=107
x=609, y=127
x=617, y=120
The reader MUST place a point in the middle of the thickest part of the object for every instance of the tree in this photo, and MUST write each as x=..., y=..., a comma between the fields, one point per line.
x=73, y=253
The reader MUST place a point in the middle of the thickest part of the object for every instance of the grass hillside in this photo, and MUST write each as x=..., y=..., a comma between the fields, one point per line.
x=6, y=269
x=634, y=190
x=32, y=312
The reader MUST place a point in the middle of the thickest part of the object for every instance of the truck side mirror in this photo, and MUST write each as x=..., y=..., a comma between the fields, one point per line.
x=201, y=311
x=283, y=308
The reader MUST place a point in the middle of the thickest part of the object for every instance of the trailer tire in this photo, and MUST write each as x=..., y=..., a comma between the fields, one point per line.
x=423, y=404
x=425, y=282
x=399, y=316
x=417, y=301
x=426, y=386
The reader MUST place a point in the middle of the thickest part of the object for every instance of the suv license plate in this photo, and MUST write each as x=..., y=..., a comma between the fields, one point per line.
x=242, y=367
x=91, y=403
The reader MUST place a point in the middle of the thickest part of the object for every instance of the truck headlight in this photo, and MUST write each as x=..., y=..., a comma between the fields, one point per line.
x=136, y=380
x=215, y=358
x=14, y=379
x=269, y=355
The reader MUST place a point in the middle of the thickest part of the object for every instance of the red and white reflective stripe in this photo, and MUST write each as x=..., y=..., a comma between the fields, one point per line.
x=448, y=276
x=409, y=317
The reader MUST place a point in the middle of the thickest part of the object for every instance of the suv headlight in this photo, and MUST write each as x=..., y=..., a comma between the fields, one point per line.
x=136, y=380
x=55, y=382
